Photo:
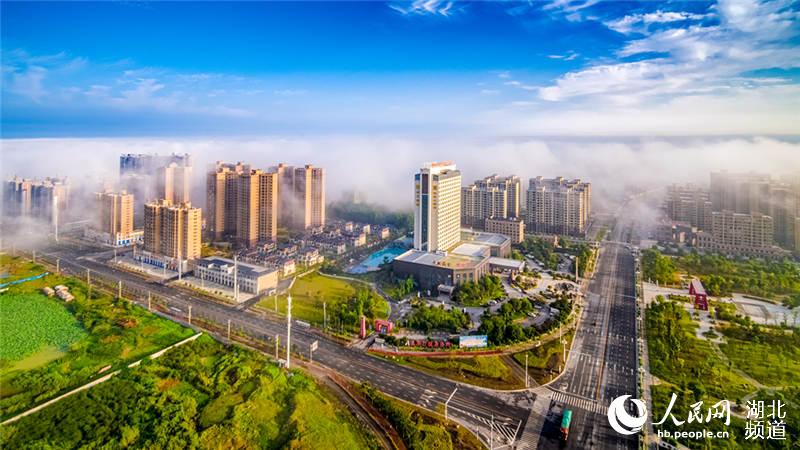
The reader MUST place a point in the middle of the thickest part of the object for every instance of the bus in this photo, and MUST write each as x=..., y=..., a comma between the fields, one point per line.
x=565, y=421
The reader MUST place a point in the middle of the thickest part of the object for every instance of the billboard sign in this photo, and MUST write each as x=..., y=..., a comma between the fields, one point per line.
x=473, y=341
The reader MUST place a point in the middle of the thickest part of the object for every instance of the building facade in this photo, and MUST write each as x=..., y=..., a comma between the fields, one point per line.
x=115, y=216
x=514, y=228
x=689, y=204
x=558, y=206
x=302, y=196
x=437, y=207
x=152, y=177
x=225, y=272
x=492, y=196
x=46, y=200
x=172, y=231
x=740, y=234
x=243, y=202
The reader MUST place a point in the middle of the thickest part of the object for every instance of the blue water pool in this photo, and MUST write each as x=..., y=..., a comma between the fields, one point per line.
x=373, y=261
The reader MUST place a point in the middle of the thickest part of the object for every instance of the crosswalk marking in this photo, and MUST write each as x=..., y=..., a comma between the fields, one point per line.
x=578, y=402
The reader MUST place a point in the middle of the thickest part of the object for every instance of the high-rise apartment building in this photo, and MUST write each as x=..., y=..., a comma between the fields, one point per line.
x=740, y=234
x=437, y=207
x=152, y=177
x=172, y=230
x=754, y=193
x=221, y=199
x=740, y=192
x=558, y=206
x=301, y=193
x=174, y=183
x=115, y=212
x=46, y=199
x=690, y=204
x=243, y=203
x=492, y=196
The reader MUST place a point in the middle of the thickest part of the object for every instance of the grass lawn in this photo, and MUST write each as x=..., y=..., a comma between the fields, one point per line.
x=486, y=371
x=311, y=291
x=770, y=356
x=544, y=361
x=48, y=347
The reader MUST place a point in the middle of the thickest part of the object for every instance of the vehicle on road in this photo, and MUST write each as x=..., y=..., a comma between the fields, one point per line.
x=566, y=419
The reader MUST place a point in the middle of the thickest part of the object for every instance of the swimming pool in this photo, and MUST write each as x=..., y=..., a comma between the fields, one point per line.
x=373, y=261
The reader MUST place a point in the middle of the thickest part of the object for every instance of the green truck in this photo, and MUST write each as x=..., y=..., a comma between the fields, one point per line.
x=565, y=421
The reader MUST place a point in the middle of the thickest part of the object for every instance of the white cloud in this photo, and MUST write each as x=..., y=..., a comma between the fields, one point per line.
x=700, y=74
x=641, y=22
x=567, y=57
x=425, y=7
x=386, y=174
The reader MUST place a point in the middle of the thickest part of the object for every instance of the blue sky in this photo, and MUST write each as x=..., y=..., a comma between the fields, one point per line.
x=561, y=67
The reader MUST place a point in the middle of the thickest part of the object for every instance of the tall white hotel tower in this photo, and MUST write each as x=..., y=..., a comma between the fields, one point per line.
x=437, y=207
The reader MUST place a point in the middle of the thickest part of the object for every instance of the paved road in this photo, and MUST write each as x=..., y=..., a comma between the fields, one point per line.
x=474, y=407
x=603, y=362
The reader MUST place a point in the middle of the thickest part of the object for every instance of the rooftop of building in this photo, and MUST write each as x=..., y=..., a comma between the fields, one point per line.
x=224, y=263
x=447, y=260
x=482, y=237
x=467, y=249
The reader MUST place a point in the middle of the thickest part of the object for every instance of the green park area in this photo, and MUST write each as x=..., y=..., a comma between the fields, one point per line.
x=48, y=346
x=345, y=301
x=751, y=362
x=488, y=371
x=420, y=429
x=200, y=395
x=775, y=280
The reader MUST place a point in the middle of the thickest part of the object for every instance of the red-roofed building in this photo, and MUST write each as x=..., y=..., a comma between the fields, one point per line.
x=697, y=291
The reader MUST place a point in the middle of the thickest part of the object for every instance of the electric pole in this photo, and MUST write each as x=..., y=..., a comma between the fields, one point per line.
x=288, y=331
x=526, y=371
x=190, y=314
x=229, y=329
x=119, y=289
x=149, y=299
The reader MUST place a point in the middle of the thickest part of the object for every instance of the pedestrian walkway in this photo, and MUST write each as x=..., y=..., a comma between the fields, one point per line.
x=579, y=402
x=533, y=427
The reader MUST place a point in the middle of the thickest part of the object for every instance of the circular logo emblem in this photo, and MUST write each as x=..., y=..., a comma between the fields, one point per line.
x=621, y=421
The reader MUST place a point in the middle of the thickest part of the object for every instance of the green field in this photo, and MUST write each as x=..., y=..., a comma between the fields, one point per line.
x=49, y=347
x=311, y=291
x=545, y=361
x=486, y=371
x=32, y=321
x=200, y=395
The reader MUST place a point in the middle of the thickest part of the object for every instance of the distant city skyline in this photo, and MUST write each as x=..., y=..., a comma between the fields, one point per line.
x=411, y=68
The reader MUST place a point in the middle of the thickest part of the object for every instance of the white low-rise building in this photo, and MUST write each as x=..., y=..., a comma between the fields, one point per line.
x=250, y=278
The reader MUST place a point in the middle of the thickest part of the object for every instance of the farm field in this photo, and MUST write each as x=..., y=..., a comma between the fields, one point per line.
x=201, y=395
x=48, y=346
x=32, y=321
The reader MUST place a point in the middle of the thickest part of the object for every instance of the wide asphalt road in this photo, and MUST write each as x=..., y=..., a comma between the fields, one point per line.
x=499, y=415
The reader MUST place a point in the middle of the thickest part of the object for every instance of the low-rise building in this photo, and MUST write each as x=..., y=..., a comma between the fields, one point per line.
x=499, y=245
x=385, y=233
x=512, y=227
x=309, y=256
x=434, y=269
x=250, y=278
